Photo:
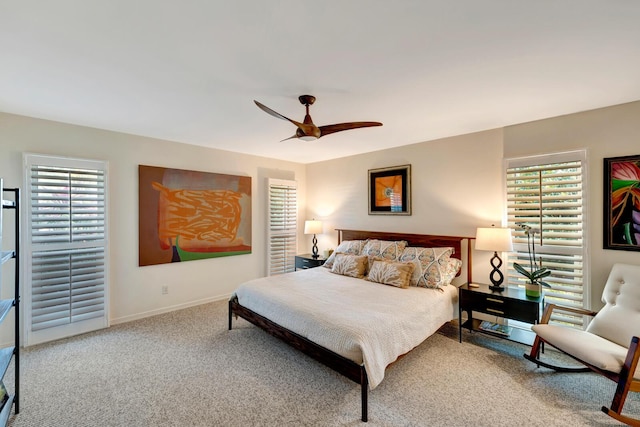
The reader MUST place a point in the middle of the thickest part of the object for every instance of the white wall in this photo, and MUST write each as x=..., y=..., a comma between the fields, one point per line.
x=458, y=184
x=456, y=187
x=136, y=291
x=605, y=132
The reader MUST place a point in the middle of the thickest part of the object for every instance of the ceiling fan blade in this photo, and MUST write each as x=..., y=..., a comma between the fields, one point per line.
x=328, y=129
x=275, y=113
x=307, y=130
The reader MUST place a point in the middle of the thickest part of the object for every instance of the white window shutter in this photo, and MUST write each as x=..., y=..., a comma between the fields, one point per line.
x=283, y=226
x=66, y=271
x=547, y=194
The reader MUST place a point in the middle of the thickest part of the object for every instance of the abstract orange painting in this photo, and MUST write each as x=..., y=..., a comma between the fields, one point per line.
x=189, y=215
x=390, y=191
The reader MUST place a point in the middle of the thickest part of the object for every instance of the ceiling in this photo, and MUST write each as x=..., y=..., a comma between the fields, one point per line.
x=189, y=70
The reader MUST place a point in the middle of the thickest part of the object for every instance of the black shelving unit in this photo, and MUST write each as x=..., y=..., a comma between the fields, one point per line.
x=12, y=353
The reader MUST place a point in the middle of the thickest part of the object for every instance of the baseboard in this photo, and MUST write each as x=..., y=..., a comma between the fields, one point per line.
x=125, y=319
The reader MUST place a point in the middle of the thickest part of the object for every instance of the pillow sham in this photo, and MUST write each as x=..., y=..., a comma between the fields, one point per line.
x=350, y=265
x=451, y=268
x=385, y=249
x=430, y=265
x=353, y=247
x=392, y=273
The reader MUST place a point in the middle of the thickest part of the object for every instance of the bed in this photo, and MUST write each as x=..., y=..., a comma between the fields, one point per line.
x=355, y=327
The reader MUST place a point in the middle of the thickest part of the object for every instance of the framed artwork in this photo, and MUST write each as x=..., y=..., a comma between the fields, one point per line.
x=622, y=203
x=390, y=191
x=188, y=215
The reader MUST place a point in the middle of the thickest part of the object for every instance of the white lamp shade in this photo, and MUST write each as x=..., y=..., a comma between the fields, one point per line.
x=494, y=239
x=313, y=227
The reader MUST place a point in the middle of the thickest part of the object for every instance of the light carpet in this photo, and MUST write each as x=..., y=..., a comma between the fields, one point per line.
x=186, y=369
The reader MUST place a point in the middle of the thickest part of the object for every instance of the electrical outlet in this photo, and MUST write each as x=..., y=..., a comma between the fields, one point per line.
x=165, y=289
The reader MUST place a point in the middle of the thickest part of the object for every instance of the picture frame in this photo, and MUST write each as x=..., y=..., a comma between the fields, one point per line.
x=621, y=203
x=187, y=215
x=390, y=190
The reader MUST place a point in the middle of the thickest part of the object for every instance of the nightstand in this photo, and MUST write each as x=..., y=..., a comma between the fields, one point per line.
x=511, y=303
x=305, y=261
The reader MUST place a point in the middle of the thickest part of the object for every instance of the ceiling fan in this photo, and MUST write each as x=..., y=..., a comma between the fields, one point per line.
x=307, y=131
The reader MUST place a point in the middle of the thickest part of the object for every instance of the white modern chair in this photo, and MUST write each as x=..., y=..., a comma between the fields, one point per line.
x=609, y=346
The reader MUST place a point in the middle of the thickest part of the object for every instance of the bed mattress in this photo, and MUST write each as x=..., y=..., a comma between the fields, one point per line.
x=368, y=323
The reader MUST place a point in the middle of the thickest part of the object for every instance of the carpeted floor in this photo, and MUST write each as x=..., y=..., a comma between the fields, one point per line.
x=186, y=369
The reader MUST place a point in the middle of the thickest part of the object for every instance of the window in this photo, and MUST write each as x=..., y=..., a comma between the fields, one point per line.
x=283, y=226
x=66, y=268
x=546, y=193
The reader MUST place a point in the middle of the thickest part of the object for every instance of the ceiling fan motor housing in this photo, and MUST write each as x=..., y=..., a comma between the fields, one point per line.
x=307, y=99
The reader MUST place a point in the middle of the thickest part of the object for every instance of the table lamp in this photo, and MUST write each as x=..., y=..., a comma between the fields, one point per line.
x=313, y=227
x=494, y=239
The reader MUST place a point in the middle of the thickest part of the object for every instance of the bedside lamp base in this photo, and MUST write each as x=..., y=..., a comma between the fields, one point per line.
x=496, y=275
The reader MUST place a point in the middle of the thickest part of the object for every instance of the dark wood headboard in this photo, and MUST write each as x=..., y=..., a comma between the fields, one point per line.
x=422, y=240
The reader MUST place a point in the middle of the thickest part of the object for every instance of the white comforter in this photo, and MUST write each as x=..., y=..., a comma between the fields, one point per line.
x=363, y=321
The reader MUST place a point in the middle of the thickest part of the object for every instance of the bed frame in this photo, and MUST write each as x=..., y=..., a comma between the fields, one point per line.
x=344, y=366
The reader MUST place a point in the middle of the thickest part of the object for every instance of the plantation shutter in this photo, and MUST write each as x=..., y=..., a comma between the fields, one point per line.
x=66, y=244
x=283, y=226
x=546, y=193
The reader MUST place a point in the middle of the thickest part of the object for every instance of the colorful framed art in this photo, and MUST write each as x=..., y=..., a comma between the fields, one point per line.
x=390, y=191
x=622, y=203
x=189, y=215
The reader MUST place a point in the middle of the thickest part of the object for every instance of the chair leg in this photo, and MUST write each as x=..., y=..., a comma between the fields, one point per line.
x=618, y=401
x=621, y=395
x=534, y=356
x=624, y=384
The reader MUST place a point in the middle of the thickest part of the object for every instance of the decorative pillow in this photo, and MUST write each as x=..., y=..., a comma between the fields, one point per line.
x=353, y=247
x=432, y=265
x=451, y=268
x=391, y=273
x=350, y=265
x=389, y=250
